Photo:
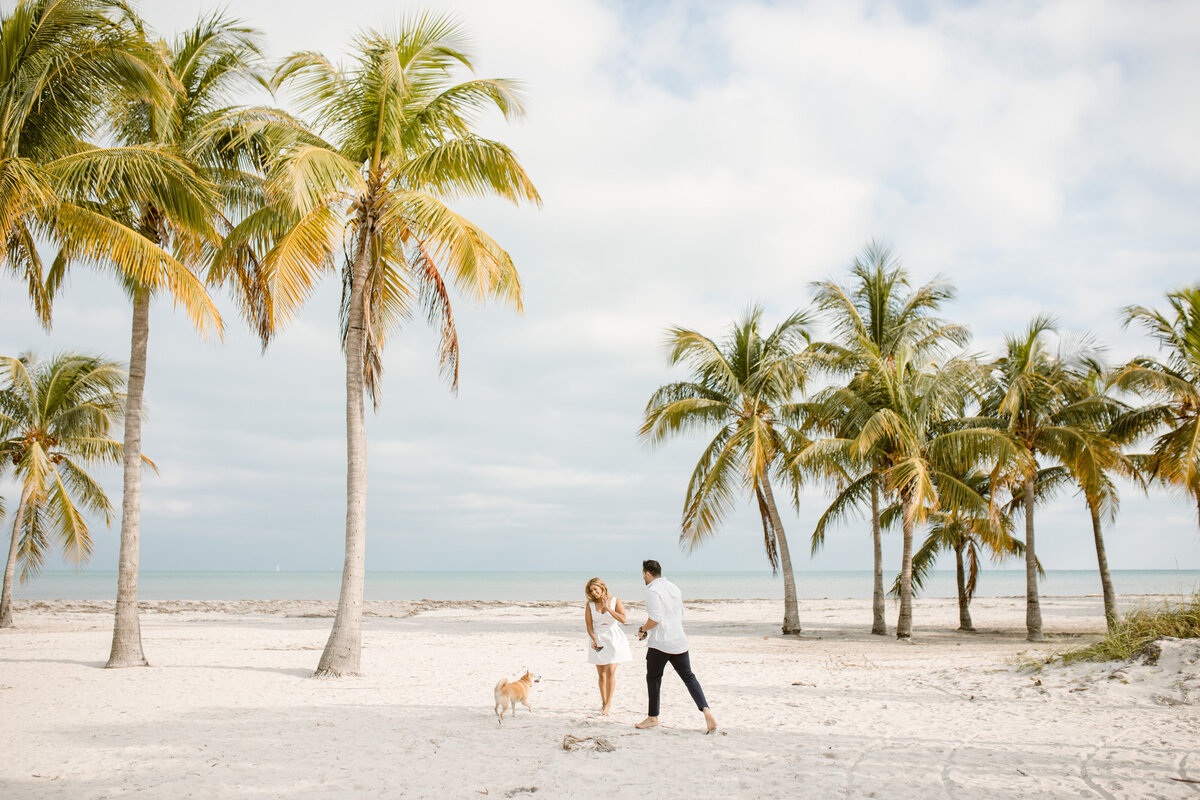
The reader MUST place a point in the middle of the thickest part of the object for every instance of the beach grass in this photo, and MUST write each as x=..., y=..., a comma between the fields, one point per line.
x=1137, y=629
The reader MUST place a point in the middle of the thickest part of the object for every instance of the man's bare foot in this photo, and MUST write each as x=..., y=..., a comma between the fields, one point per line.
x=648, y=722
x=710, y=721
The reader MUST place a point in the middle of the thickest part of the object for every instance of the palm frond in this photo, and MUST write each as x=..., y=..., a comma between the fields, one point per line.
x=470, y=166
x=849, y=500
x=712, y=490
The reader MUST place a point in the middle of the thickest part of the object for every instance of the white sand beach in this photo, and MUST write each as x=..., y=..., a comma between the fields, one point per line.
x=229, y=709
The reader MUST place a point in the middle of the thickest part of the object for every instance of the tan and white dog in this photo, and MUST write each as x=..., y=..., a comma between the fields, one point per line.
x=509, y=693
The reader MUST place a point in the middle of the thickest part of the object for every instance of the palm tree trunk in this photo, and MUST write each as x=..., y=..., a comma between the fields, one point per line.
x=127, y=629
x=791, y=611
x=10, y=567
x=964, y=609
x=343, y=650
x=904, y=623
x=878, y=609
x=1110, y=597
x=1033, y=608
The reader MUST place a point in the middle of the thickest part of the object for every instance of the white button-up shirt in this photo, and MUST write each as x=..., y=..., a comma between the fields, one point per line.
x=664, y=605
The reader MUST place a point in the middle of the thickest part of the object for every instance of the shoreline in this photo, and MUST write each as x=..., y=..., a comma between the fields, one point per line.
x=408, y=608
x=510, y=586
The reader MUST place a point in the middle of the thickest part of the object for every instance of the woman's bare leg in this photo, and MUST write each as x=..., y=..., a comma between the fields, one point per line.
x=610, y=688
x=602, y=682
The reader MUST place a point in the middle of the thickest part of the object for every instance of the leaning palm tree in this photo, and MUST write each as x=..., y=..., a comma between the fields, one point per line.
x=1037, y=394
x=396, y=141
x=881, y=307
x=55, y=420
x=1171, y=382
x=739, y=388
x=197, y=123
x=1114, y=427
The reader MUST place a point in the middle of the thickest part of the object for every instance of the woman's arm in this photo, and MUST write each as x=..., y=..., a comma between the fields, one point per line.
x=618, y=611
x=587, y=618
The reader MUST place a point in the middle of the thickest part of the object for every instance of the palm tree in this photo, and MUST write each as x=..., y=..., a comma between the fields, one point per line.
x=1114, y=426
x=738, y=387
x=967, y=534
x=1038, y=396
x=61, y=63
x=879, y=307
x=55, y=418
x=398, y=143
x=1109, y=425
x=206, y=66
x=1173, y=386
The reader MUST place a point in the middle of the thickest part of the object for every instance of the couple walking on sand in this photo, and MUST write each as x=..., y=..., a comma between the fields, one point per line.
x=662, y=631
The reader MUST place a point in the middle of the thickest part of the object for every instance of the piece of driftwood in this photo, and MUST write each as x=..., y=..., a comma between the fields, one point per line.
x=571, y=742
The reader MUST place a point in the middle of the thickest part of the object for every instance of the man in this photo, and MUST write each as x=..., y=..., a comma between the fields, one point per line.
x=666, y=642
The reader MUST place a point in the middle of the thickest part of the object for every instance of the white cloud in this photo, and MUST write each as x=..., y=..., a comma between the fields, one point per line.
x=693, y=158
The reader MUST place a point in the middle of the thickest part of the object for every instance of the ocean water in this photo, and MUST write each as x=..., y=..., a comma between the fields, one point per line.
x=551, y=586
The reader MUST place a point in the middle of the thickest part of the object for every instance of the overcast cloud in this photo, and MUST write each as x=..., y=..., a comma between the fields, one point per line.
x=693, y=158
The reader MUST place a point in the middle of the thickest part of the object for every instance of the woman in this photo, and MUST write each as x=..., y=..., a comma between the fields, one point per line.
x=604, y=615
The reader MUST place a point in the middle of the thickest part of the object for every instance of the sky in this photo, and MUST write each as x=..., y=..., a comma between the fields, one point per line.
x=693, y=158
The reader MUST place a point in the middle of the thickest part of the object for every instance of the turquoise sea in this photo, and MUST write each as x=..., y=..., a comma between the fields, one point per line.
x=551, y=586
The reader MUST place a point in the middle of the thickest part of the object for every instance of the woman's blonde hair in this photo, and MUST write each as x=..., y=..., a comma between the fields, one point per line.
x=587, y=590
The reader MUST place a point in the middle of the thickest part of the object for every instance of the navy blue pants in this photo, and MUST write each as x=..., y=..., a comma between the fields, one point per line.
x=656, y=662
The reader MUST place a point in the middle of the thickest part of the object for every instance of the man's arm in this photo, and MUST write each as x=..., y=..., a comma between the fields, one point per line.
x=653, y=610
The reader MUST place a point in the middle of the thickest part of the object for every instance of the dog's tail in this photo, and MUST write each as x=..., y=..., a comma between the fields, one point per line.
x=500, y=701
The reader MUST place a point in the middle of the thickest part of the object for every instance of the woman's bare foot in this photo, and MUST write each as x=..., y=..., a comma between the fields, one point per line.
x=648, y=722
x=606, y=711
x=710, y=721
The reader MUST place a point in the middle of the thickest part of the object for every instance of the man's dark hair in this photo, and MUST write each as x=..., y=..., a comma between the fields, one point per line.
x=651, y=566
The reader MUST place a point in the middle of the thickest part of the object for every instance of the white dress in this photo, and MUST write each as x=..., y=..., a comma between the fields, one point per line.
x=610, y=636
